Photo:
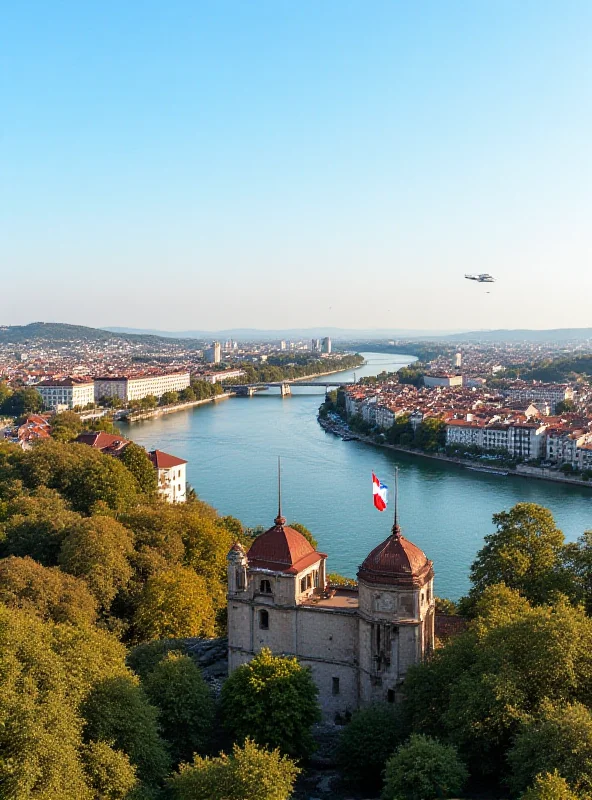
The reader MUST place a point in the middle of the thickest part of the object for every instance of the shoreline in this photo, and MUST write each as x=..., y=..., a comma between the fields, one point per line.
x=521, y=471
x=150, y=413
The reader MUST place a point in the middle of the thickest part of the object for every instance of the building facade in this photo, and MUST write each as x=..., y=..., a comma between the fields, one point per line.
x=66, y=393
x=358, y=643
x=136, y=388
x=172, y=480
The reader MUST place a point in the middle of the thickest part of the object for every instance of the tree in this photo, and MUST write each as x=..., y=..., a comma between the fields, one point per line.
x=168, y=398
x=578, y=562
x=251, y=772
x=431, y=434
x=150, y=401
x=45, y=591
x=136, y=459
x=187, y=395
x=366, y=743
x=424, y=769
x=565, y=407
x=35, y=525
x=22, y=401
x=66, y=426
x=557, y=737
x=298, y=526
x=174, y=603
x=525, y=553
x=186, y=706
x=549, y=786
x=110, y=772
x=40, y=734
x=445, y=606
x=476, y=691
x=273, y=700
x=117, y=711
x=98, y=550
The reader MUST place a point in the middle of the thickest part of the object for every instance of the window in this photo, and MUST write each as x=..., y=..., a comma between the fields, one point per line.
x=390, y=696
x=264, y=620
x=335, y=686
x=265, y=587
x=302, y=585
x=309, y=581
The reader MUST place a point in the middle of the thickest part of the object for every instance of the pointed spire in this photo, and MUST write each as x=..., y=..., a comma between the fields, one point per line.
x=280, y=519
x=396, y=526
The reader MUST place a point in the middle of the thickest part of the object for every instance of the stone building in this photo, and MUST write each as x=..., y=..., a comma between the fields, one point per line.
x=358, y=642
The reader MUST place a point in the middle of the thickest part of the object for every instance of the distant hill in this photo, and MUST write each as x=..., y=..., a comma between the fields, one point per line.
x=524, y=335
x=61, y=333
x=295, y=334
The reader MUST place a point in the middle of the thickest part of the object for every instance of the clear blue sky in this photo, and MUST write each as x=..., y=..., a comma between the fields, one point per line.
x=208, y=163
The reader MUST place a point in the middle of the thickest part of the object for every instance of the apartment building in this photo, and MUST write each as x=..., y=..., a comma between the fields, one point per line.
x=172, y=480
x=128, y=388
x=431, y=381
x=66, y=393
x=551, y=393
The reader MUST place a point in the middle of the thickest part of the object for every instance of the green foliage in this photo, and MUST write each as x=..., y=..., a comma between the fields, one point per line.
x=118, y=712
x=174, y=603
x=138, y=463
x=577, y=558
x=298, y=526
x=410, y=375
x=66, y=426
x=557, y=737
x=366, y=743
x=110, y=772
x=22, y=401
x=476, y=691
x=525, y=553
x=184, y=700
x=549, y=786
x=445, y=606
x=143, y=658
x=82, y=475
x=168, y=399
x=98, y=550
x=45, y=591
x=424, y=769
x=187, y=395
x=274, y=701
x=251, y=772
x=335, y=579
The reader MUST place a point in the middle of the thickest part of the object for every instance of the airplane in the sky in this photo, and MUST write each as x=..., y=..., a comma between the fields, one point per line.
x=484, y=277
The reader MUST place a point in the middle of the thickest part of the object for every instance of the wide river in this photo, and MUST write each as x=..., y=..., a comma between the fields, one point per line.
x=232, y=448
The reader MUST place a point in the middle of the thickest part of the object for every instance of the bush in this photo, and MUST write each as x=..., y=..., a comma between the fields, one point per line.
x=144, y=658
x=186, y=707
x=367, y=742
x=273, y=700
x=424, y=769
x=549, y=786
x=251, y=772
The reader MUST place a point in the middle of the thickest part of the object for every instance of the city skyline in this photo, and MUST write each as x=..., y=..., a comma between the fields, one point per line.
x=213, y=166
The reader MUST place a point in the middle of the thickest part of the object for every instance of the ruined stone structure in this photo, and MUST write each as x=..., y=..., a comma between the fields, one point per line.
x=358, y=643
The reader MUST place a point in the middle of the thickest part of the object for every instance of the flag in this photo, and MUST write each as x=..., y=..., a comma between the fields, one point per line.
x=379, y=493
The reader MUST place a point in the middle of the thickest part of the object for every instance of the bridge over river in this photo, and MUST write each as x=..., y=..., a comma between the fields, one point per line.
x=249, y=389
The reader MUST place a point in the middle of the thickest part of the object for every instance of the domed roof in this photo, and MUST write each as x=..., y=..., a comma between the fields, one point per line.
x=396, y=562
x=282, y=549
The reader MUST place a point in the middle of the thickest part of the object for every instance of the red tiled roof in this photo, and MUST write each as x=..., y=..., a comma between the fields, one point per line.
x=396, y=561
x=282, y=549
x=101, y=440
x=164, y=460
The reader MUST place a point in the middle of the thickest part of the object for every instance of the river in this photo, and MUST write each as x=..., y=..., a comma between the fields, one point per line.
x=232, y=448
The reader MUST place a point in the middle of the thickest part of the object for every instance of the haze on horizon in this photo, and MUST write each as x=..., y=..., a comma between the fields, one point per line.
x=223, y=164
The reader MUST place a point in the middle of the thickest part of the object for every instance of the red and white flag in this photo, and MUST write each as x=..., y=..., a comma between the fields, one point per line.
x=379, y=493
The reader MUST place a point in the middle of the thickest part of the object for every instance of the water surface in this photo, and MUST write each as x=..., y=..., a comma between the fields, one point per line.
x=232, y=448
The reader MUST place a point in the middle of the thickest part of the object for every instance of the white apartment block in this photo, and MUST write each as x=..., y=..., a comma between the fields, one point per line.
x=223, y=375
x=136, y=388
x=172, y=480
x=521, y=440
x=66, y=393
x=564, y=447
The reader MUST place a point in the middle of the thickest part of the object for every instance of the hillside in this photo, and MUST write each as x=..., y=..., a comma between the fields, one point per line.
x=61, y=333
x=523, y=335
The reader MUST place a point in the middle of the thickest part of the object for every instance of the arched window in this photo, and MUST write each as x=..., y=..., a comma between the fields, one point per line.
x=265, y=587
x=264, y=620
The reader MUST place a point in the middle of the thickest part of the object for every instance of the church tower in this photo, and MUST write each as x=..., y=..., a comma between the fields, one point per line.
x=396, y=615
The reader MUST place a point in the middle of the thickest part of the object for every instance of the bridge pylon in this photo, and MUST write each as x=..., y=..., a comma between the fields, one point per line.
x=285, y=390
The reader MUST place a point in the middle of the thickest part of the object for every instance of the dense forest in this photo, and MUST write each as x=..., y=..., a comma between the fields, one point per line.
x=290, y=367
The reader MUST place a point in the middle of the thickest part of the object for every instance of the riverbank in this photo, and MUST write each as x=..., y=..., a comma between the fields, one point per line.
x=150, y=413
x=521, y=470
